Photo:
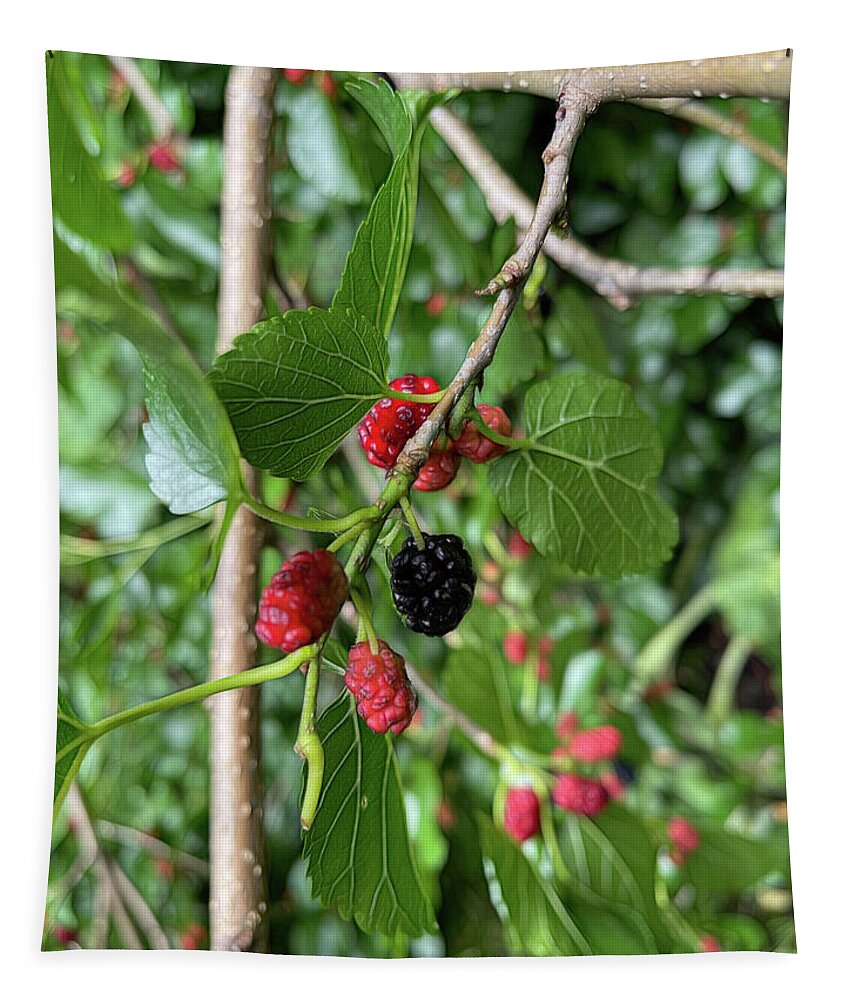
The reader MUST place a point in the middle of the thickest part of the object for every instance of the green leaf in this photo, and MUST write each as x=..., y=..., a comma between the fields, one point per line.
x=83, y=201
x=574, y=328
x=520, y=355
x=528, y=904
x=359, y=857
x=194, y=458
x=726, y=862
x=296, y=384
x=582, y=488
x=375, y=267
x=614, y=861
x=69, y=757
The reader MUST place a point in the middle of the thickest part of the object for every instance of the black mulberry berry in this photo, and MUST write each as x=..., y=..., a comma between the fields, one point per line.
x=433, y=587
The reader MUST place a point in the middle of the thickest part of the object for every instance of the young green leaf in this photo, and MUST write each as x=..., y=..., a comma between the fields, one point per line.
x=71, y=748
x=358, y=853
x=194, y=458
x=376, y=265
x=296, y=384
x=529, y=905
x=574, y=328
x=83, y=201
x=581, y=488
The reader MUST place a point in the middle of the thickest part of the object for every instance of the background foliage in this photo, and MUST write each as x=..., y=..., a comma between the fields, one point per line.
x=134, y=614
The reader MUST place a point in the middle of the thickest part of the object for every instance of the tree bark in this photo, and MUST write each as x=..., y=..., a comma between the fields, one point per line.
x=237, y=865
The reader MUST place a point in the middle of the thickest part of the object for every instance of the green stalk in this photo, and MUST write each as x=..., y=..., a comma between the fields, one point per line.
x=199, y=692
x=512, y=444
x=411, y=518
x=657, y=657
x=309, y=747
x=722, y=696
x=333, y=524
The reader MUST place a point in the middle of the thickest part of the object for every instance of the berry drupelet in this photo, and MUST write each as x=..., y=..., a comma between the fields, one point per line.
x=302, y=601
x=580, y=795
x=433, y=587
x=472, y=444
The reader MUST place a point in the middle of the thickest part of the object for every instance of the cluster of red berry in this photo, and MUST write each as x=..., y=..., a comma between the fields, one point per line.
x=684, y=839
x=299, y=76
x=300, y=605
x=572, y=792
x=388, y=426
x=515, y=647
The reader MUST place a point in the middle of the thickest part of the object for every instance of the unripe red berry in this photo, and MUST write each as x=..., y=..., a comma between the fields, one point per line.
x=518, y=546
x=297, y=76
x=438, y=470
x=710, y=943
x=490, y=595
x=522, y=817
x=385, y=430
x=491, y=571
x=543, y=669
x=126, y=176
x=472, y=444
x=435, y=304
x=163, y=157
x=514, y=647
x=445, y=815
x=546, y=644
x=580, y=795
x=683, y=835
x=380, y=685
x=613, y=784
x=64, y=935
x=302, y=601
x=593, y=745
x=566, y=725
x=327, y=85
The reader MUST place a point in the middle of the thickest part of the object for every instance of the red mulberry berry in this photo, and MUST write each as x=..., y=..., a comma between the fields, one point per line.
x=515, y=648
x=384, y=696
x=683, y=835
x=297, y=76
x=438, y=470
x=522, y=817
x=385, y=430
x=163, y=157
x=580, y=795
x=302, y=601
x=595, y=745
x=518, y=546
x=474, y=445
x=709, y=943
x=566, y=725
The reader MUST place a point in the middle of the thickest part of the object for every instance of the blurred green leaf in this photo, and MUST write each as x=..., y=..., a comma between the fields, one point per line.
x=69, y=730
x=82, y=200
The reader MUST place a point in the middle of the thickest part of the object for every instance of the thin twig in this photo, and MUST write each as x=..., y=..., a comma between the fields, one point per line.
x=162, y=124
x=709, y=118
x=152, y=845
x=618, y=281
x=479, y=737
x=138, y=906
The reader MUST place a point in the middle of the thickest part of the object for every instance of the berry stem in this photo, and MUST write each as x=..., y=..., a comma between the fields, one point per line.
x=410, y=517
x=357, y=517
x=362, y=605
x=309, y=747
x=413, y=397
x=722, y=696
x=347, y=536
x=199, y=692
x=550, y=839
x=513, y=444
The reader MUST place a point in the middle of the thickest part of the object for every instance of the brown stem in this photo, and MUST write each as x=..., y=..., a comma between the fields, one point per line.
x=620, y=282
x=709, y=118
x=237, y=864
x=759, y=74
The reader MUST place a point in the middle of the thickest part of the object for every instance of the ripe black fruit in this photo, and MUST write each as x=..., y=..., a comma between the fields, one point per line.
x=433, y=587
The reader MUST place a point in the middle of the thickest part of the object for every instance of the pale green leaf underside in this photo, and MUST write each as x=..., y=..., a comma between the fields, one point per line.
x=193, y=459
x=583, y=489
x=536, y=916
x=297, y=384
x=358, y=853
